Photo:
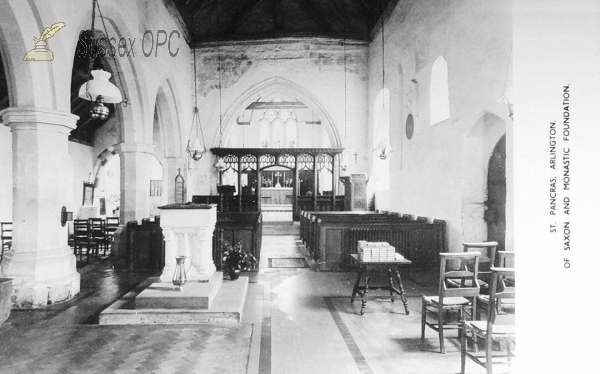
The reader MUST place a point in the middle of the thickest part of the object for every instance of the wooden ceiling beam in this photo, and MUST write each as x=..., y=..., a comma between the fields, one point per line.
x=316, y=15
x=367, y=10
x=240, y=15
x=195, y=9
x=277, y=15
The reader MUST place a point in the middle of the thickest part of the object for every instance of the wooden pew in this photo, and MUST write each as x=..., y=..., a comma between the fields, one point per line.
x=331, y=237
x=308, y=223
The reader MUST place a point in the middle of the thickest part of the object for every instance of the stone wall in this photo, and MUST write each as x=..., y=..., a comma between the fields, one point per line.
x=314, y=70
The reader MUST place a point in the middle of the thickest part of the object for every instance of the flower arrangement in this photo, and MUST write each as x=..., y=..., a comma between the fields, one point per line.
x=235, y=259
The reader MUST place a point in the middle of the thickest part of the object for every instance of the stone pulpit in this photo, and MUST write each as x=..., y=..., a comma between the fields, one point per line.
x=188, y=231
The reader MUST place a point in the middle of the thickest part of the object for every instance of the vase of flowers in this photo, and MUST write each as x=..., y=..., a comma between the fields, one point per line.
x=235, y=259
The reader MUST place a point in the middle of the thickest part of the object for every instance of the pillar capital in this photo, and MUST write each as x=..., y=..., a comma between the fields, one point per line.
x=135, y=148
x=41, y=119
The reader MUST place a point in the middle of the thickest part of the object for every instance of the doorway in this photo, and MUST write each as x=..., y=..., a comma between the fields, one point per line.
x=495, y=215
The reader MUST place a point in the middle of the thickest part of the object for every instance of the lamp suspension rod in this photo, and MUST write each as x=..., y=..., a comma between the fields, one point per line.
x=507, y=70
x=345, y=78
x=91, y=64
x=220, y=90
x=383, y=55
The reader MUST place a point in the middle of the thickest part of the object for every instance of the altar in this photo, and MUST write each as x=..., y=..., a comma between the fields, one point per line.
x=277, y=195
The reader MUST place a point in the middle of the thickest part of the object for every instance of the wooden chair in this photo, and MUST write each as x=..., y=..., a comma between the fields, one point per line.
x=498, y=326
x=112, y=224
x=82, y=239
x=458, y=290
x=5, y=237
x=486, y=261
x=505, y=260
x=97, y=227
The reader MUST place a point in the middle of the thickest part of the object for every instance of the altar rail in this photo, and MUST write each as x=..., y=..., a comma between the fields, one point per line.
x=233, y=227
x=331, y=237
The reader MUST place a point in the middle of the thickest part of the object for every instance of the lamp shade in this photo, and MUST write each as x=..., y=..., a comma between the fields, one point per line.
x=100, y=85
x=196, y=146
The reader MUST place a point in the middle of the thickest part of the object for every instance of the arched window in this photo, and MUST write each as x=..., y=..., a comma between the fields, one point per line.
x=439, y=99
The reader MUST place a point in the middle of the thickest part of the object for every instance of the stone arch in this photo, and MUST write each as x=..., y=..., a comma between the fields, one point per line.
x=284, y=85
x=20, y=76
x=169, y=120
x=478, y=146
x=101, y=160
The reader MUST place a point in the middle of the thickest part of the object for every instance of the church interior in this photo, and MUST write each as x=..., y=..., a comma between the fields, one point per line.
x=316, y=134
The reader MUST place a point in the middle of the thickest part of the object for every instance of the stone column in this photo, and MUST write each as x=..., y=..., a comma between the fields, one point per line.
x=41, y=263
x=135, y=188
x=135, y=180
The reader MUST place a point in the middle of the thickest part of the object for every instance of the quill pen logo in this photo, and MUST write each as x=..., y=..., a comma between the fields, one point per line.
x=40, y=52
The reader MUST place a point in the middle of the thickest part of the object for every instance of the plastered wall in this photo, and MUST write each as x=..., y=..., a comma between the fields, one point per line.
x=318, y=69
x=441, y=172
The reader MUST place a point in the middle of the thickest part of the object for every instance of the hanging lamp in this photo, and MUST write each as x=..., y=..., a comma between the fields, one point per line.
x=220, y=165
x=344, y=163
x=99, y=89
x=196, y=147
x=384, y=147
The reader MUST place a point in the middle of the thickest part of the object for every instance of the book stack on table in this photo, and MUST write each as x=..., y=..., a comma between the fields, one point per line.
x=377, y=252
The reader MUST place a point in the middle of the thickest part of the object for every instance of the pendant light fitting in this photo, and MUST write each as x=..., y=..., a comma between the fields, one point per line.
x=99, y=89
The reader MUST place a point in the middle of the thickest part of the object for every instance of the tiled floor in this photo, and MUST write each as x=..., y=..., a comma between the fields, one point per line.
x=295, y=321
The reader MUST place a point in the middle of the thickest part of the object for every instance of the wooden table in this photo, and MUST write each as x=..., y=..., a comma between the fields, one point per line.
x=392, y=268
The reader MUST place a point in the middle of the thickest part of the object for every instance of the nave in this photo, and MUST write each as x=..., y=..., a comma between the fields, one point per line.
x=295, y=320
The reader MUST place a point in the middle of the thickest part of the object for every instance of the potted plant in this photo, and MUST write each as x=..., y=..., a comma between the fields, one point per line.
x=235, y=259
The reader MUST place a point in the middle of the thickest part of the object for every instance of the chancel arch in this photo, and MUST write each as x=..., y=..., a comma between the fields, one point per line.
x=291, y=108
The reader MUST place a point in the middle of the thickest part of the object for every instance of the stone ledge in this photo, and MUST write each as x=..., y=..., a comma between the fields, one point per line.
x=193, y=295
x=226, y=308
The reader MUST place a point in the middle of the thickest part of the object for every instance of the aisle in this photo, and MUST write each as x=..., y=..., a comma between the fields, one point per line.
x=308, y=325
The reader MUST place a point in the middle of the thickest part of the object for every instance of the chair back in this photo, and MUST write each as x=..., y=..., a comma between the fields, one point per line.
x=506, y=259
x=80, y=228
x=501, y=287
x=456, y=277
x=113, y=221
x=487, y=250
x=6, y=230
